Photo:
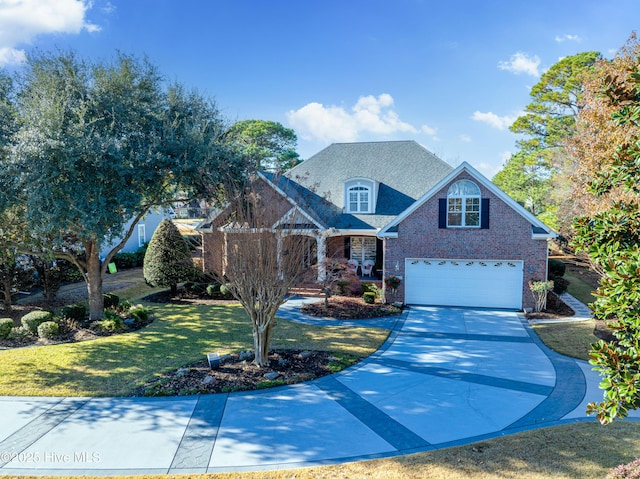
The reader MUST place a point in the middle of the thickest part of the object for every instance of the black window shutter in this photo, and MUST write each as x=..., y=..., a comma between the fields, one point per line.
x=442, y=213
x=484, y=214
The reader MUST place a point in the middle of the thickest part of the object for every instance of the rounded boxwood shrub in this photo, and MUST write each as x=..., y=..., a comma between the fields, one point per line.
x=6, y=325
x=225, y=291
x=32, y=320
x=48, y=330
x=76, y=312
x=369, y=297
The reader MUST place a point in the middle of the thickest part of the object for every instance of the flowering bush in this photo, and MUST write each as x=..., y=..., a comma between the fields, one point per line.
x=392, y=282
x=540, y=289
x=625, y=471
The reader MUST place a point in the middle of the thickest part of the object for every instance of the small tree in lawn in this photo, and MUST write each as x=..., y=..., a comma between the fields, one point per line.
x=264, y=260
x=167, y=260
x=335, y=270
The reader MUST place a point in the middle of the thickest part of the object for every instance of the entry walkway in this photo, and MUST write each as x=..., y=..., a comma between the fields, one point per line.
x=446, y=376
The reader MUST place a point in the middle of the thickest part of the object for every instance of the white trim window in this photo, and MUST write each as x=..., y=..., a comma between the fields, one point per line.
x=463, y=205
x=142, y=236
x=359, y=196
x=359, y=199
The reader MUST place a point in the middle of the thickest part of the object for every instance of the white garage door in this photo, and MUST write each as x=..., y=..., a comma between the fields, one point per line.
x=475, y=283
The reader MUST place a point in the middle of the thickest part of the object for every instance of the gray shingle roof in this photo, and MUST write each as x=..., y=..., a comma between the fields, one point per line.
x=404, y=170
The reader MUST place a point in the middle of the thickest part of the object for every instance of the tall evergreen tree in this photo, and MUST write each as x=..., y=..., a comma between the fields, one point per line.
x=167, y=260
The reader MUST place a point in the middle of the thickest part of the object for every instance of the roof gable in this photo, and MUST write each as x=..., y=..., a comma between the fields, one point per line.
x=539, y=229
x=404, y=171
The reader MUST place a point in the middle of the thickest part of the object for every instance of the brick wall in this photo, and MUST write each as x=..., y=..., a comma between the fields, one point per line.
x=272, y=207
x=508, y=237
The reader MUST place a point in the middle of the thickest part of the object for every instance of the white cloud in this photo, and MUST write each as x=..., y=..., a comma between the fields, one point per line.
x=521, y=63
x=23, y=20
x=11, y=56
x=568, y=38
x=370, y=114
x=495, y=121
x=465, y=138
x=432, y=132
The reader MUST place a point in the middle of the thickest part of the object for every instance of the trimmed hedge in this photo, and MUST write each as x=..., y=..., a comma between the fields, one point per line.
x=48, y=330
x=369, y=297
x=76, y=312
x=32, y=320
x=6, y=325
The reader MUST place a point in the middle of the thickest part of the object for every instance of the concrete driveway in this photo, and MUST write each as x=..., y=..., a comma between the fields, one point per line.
x=446, y=376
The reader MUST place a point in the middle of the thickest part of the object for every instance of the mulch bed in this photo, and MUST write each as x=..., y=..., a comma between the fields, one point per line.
x=555, y=309
x=236, y=374
x=342, y=307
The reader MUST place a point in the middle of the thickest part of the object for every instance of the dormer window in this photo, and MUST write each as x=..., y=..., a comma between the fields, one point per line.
x=463, y=205
x=359, y=196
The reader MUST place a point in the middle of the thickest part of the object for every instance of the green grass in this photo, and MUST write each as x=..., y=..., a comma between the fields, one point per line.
x=570, y=339
x=579, y=289
x=180, y=335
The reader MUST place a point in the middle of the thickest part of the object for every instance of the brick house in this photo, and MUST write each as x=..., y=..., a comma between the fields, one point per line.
x=450, y=235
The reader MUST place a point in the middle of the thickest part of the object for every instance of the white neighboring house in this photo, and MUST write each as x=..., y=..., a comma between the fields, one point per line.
x=142, y=233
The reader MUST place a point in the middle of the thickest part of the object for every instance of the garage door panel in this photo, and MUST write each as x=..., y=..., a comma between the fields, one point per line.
x=464, y=283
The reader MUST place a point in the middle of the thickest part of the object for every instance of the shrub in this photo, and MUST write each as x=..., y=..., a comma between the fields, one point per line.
x=197, y=288
x=32, y=320
x=6, y=325
x=111, y=300
x=111, y=323
x=139, y=254
x=48, y=330
x=556, y=269
x=372, y=288
x=560, y=285
x=167, y=261
x=139, y=313
x=213, y=289
x=76, y=312
x=125, y=260
x=225, y=292
x=625, y=471
x=369, y=297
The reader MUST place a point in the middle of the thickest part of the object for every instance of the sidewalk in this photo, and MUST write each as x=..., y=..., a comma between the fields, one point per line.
x=582, y=312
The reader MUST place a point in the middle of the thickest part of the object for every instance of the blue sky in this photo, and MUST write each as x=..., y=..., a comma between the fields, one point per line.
x=451, y=75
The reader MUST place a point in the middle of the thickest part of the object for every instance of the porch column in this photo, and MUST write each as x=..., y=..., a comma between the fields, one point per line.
x=321, y=248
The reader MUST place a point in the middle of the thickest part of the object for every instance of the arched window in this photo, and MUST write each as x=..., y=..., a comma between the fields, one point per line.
x=359, y=196
x=463, y=204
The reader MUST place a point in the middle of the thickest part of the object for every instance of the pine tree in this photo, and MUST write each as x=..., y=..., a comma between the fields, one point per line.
x=168, y=259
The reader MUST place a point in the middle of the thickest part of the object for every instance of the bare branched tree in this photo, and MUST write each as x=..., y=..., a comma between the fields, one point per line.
x=265, y=257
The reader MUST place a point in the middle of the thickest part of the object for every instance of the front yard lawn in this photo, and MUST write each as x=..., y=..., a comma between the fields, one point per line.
x=180, y=334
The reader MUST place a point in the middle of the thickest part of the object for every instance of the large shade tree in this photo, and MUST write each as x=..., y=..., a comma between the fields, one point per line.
x=99, y=144
x=265, y=145
x=537, y=170
x=607, y=150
